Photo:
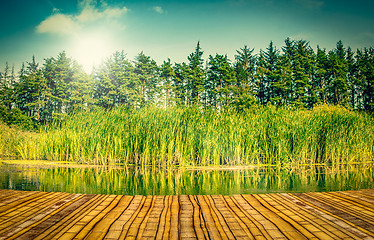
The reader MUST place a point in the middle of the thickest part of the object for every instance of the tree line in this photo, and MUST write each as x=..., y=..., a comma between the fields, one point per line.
x=293, y=76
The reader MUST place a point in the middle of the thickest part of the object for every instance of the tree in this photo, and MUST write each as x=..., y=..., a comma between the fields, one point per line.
x=166, y=77
x=7, y=82
x=338, y=87
x=321, y=75
x=365, y=77
x=116, y=83
x=32, y=91
x=353, y=87
x=220, y=81
x=146, y=71
x=245, y=71
x=275, y=86
x=245, y=67
x=261, y=85
x=196, y=78
x=180, y=83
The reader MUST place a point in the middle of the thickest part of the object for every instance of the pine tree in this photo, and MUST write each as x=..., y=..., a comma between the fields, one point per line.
x=365, y=77
x=31, y=92
x=322, y=75
x=261, y=85
x=180, y=83
x=221, y=79
x=196, y=79
x=116, y=83
x=351, y=78
x=166, y=77
x=245, y=71
x=81, y=89
x=275, y=87
x=338, y=86
x=146, y=71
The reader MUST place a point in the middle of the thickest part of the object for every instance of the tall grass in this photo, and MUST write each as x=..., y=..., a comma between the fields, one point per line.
x=16, y=143
x=191, y=136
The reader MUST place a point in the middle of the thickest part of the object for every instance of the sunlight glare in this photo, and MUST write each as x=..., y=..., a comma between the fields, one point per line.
x=90, y=50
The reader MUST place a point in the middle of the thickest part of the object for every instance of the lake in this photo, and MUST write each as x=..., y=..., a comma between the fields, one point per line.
x=161, y=181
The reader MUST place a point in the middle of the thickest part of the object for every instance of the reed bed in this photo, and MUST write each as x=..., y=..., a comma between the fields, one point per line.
x=195, y=137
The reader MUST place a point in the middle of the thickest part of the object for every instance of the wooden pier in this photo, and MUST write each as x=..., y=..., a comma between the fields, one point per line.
x=52, y=215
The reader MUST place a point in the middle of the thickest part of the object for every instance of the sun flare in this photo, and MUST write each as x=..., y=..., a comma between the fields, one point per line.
x=92, y=49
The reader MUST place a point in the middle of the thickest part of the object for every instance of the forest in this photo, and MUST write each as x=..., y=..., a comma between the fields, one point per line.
x=294, y=76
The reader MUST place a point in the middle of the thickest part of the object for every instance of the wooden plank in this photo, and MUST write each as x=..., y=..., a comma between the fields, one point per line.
x=119, y=228
x=306, y=219
x=186, y=225
x=164, y=226
x=218, y=218
x=356, y=229
x=104, y=210
x=34, y=227
x=31, y=213
x=212, y=229
x=281, y=224
x=69, y=215
x=100, y=230
x=175, y=218
x=131, y=214
x=333, y=215
x=312, y=216
x=345, y=210
x=199, y=224
x=69, y=219
x=144, y=220
x=84, y=225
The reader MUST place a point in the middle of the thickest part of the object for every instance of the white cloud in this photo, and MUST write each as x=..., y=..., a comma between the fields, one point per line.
x=158, y=9
x=311, y=4
x=59, y=24
x=64, y=24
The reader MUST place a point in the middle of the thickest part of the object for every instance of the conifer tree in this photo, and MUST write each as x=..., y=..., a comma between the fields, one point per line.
x=146, y=71
x=196, y=79
x=365, y=77
x=221, y=79
x=31, y=92
x=180, y=83
x=351, y=78
x=116, y=83
x=321, y=75
x=166, y=77
x=245, y=70
x=338, y=86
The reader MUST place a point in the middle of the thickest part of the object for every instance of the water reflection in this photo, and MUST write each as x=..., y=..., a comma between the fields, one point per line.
x=147, y=181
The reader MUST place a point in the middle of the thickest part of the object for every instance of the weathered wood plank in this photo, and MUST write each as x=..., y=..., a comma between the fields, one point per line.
x=332, y=215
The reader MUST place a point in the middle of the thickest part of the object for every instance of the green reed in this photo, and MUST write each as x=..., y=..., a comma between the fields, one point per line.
x=192, y=136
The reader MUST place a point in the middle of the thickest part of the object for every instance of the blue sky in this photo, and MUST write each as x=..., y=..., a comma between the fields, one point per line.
x=91, y=30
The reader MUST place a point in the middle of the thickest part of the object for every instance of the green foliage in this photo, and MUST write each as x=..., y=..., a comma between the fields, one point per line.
x=115, y=83
x=191, y=136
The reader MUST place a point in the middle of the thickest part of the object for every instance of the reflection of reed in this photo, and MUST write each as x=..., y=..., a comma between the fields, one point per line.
x=164, y=181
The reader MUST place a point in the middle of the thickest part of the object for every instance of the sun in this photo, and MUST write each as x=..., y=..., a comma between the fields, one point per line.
x=91, y=49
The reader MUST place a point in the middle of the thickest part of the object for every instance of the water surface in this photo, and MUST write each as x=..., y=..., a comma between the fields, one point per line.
x=148, y=181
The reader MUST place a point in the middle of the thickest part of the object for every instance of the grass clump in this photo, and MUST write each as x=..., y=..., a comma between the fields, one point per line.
x=191, y=136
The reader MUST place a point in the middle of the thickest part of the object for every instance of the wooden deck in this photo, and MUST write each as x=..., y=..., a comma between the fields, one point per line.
x=43, y=215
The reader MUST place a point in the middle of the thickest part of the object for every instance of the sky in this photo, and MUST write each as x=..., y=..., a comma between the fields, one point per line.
x=91, y=30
